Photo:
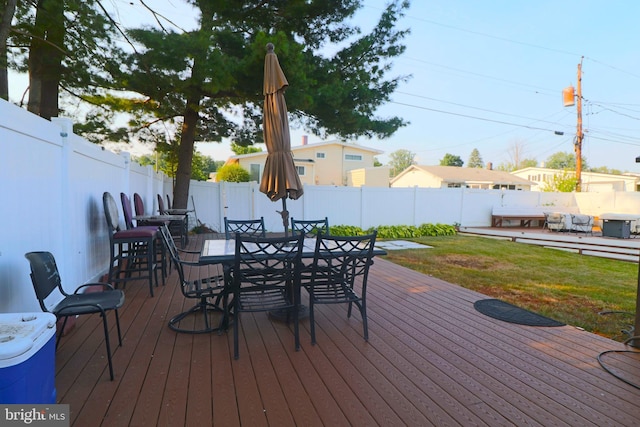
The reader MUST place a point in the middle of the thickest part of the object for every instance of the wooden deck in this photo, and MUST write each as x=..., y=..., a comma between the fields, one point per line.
x=431, y=360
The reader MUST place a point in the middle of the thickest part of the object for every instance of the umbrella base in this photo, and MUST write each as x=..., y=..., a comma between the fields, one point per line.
x=284, y=314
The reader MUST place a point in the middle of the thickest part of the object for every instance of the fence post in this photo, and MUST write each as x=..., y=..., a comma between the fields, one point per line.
x=66, y=227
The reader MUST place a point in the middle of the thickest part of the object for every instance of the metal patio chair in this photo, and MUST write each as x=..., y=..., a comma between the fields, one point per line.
x=265, y=277
x=46, y=279
x=340, y=271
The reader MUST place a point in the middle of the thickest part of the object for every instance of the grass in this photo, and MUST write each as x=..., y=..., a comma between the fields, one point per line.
x=565, y=286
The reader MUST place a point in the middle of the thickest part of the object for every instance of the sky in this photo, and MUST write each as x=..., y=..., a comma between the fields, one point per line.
x=489, y=76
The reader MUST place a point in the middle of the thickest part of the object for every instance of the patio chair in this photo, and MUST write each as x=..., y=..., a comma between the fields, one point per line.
x=582, y=223
x=46, y=279
x=132, y=250
x=265, y=277
x=177, y=224
x=310, y=228
x=246, y=227
x=202, y=289
x=339, y=264
x=554, y=221
x=154, y=225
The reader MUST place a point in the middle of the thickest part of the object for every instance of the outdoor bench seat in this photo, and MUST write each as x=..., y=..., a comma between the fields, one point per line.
x=501, y=216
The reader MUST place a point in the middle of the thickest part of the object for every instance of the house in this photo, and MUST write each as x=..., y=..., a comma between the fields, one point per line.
x=453, y=177
x=323, y=163
x=591, y=181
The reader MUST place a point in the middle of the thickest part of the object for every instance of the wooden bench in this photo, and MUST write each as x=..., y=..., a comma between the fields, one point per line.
x=526, y=216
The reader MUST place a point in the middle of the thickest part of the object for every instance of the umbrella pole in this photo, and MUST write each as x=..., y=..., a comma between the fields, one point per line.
x=285, y=216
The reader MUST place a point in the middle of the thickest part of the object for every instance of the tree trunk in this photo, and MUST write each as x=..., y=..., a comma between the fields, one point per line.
x=5, y=28
x=185, y=154
x=45, y=58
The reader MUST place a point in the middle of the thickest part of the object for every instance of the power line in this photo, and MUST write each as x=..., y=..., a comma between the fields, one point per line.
x=472, y=117
x=476, y=108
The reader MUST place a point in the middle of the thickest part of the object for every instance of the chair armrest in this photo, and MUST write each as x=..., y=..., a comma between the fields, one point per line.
x=186, y=251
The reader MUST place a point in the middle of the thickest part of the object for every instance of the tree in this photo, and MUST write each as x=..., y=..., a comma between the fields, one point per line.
x=562, y=160
x=604, y=169
x=199, y=76
x=566, y=182
x=451, y=160
x=242, y=149
x=233, y=173
x=475, y=160
x=63, y=45
x=9, y=8
x=516, y=153
x=401, y=159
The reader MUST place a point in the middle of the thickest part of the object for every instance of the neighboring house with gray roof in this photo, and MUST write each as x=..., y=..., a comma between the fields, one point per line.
x=454, y=177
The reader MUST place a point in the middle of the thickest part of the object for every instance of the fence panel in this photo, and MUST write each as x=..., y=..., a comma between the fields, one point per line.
x=53, y=183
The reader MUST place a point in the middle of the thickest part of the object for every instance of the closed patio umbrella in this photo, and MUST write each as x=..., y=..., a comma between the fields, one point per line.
x=280, y=178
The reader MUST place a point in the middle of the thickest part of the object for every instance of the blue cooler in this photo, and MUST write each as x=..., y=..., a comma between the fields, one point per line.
x=27, y=358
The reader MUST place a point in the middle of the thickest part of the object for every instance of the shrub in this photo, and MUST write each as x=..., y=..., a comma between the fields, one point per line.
x=233, y=173
x=397, y=231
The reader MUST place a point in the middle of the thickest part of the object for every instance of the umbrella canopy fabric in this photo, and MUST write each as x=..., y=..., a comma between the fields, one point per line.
x=280, y=178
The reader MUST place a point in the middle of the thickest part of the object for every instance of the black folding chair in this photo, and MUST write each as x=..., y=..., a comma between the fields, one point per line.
x=46, y=278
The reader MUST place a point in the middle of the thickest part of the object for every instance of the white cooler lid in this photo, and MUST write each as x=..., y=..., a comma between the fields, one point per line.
x=19, y=332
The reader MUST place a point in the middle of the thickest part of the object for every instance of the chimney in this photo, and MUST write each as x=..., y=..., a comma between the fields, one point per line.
x=490, y=166
x=305, y=139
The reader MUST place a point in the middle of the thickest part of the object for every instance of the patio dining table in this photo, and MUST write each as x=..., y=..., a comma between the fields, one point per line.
x=221, y=251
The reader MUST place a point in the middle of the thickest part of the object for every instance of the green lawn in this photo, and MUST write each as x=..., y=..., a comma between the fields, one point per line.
x=565, y=286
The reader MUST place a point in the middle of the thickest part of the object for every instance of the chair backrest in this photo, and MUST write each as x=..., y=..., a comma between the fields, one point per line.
x=581, y=219
x=126, y=210
x=341, y=259
x=111, y=212
x=246, y=227
x=161, y=208
x=263, y=262
x=138, y=204
x=174, y=254
x=168, y=202
x=554, y=217
x=310, y=228
x=44, y=276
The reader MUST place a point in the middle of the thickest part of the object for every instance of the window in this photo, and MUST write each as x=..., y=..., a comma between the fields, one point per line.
x=321, y=155
x=357, y=157
x=254, y=172
x=300, y=170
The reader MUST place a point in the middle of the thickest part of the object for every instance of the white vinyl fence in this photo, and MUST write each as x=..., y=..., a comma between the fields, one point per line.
x=53, y=181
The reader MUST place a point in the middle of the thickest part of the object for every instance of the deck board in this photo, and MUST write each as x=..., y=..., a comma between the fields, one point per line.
x=431, y=359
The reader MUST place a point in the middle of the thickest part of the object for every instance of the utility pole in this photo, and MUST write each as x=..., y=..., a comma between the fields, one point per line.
x=579, y=132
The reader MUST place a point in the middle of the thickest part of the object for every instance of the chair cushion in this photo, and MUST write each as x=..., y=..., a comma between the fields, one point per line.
x=137, y=232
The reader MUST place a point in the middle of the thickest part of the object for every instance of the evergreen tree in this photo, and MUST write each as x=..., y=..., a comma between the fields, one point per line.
x=193, y=80
x=475, y=160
